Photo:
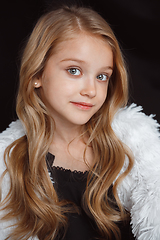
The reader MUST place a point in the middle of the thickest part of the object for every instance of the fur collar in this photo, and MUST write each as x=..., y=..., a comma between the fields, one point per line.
x=140, y=190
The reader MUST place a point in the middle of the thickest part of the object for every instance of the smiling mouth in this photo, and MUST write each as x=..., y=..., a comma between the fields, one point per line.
x=83, y=105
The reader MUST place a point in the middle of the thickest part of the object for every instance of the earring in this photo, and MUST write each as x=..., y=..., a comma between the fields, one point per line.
x=35, y=84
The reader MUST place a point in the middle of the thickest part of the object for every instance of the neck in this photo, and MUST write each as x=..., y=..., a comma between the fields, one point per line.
x=68, y=146
x=65, y=135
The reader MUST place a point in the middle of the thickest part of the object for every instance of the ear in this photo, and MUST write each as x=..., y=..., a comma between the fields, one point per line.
x=37, y=82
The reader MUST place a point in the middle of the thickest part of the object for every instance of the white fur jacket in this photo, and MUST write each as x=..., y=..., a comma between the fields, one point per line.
x=140, y=190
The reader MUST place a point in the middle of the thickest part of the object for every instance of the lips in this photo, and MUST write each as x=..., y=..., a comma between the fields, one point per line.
x=83, y=105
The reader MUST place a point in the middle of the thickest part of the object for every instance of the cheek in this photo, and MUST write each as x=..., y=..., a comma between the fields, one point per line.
x=47, y=91
x=57, y=91
x=103, y=94
x=68, y=89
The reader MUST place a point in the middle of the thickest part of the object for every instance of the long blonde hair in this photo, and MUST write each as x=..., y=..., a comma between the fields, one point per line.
x=32, y=199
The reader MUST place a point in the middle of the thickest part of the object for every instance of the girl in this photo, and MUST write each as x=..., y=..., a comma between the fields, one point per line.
x=78, y=162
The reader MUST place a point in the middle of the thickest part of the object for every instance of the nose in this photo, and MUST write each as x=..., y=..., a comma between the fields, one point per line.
x=88, y=88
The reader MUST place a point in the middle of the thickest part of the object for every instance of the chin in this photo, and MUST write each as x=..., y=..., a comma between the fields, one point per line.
x=83, y=122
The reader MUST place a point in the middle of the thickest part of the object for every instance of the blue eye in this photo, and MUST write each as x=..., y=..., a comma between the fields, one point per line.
x=103, y=77
x=74, y=71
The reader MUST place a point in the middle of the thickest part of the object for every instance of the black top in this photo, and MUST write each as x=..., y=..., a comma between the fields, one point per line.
x=70, y=186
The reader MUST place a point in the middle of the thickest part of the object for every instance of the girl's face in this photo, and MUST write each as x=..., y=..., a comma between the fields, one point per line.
x=75, y=80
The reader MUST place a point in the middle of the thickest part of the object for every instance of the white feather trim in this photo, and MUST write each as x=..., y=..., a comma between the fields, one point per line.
x=140, y=190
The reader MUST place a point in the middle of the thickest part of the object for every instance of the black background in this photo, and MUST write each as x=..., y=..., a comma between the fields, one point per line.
x=136, y=24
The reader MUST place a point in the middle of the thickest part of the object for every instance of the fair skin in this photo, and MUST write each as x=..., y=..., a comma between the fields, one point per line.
x=74, y=86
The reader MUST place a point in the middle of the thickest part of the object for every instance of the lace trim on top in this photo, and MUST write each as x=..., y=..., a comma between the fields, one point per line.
x=69, y=170
x=50, y=159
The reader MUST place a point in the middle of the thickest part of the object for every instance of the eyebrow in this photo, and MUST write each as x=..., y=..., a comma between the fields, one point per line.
x=73, y=60
x=81, y=61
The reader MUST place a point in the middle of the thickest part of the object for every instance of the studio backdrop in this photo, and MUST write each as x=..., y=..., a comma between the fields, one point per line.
x=136, y=24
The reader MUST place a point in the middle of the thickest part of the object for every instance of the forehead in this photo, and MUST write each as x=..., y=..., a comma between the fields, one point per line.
x=83, y=46
x=78, y=36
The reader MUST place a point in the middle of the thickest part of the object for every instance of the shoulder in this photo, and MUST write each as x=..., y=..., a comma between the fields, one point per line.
x=140, y=133
x=140, y=190
x=13, y=132
x=133, y=121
